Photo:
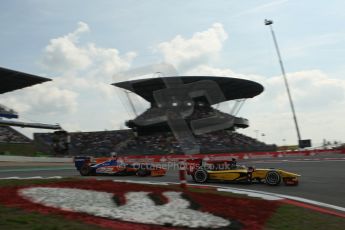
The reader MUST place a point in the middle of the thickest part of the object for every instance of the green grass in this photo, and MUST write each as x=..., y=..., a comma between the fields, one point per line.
x=20, y=149
x=12, y=218
x=290, y=217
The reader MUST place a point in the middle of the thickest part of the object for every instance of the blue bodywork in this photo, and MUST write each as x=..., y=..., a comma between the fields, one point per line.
x=80, y=161
x=105, y=167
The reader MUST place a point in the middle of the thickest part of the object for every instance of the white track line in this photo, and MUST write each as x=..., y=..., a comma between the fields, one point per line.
x=143, y=182
x=29, y=178
x=294, y=161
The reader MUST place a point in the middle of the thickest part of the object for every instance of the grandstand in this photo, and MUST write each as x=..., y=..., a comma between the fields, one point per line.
x=10, y=135
x=212, y=130
x=222, y=141
x=154, y=119
x=99, y=143
x=11, y=80
x=179, y=106
x=126, y=142
x=191, y=102
x=12, y=141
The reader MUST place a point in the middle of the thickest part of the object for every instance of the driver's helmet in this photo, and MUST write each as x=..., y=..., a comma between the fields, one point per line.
x=113, y=155
x=233, y=163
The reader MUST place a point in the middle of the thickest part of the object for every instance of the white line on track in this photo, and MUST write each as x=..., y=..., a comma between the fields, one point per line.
x=29, y=178
x=250, y=193
x=295, y=161
x=143, y=182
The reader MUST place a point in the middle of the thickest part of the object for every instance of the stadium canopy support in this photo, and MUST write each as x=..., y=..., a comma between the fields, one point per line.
x=29, y=125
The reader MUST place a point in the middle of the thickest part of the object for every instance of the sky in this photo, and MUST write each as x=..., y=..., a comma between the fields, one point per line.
x=85, y=45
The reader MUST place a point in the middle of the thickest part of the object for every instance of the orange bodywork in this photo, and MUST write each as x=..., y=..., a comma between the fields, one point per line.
x=158, y=172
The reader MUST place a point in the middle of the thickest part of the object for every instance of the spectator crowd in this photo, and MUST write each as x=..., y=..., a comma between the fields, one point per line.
x=132, y=142
x=84, y=143
x=125, y=142
x=10, y=135
x=222, y=141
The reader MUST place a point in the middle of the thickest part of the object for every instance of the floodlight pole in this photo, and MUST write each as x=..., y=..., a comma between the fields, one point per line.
x=269, y=23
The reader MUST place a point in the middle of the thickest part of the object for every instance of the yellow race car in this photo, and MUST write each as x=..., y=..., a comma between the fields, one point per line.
x=203, y=171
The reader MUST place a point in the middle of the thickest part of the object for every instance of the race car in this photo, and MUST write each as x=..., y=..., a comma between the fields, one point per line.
x=203, y=171
x=88, y=166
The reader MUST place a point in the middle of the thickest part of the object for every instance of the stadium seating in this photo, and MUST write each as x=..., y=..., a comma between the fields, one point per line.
x=216, y=142
x=150, y=134
x=157, y=141
x=155, y=115
x=126, y=142
x=10, y=135
x=85, y=143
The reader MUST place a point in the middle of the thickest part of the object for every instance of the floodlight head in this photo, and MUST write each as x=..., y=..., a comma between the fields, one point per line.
x=268, y=22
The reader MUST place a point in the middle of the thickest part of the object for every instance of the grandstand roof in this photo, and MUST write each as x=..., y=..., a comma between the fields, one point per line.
x=12, y=80
x=232, y=88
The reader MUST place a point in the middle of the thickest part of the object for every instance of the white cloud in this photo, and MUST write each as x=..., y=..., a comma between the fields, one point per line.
x=86, y=71
x=65, y=55
x=311, y=89
x=318, y=97
x=202, y=46
x=315, y=90
x=319, y=102
x=81, y=96
x=40, y=99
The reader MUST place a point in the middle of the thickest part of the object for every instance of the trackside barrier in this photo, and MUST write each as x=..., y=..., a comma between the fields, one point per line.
x=177, y=158
x=5, y=158
x=182, y=174
x=225, y=156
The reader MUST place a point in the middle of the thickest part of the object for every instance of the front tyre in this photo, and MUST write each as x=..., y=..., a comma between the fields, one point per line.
x=143, y=172
x=273, y=178
x=200, y=176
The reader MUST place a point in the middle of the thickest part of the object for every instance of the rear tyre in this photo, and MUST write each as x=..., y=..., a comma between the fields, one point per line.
x=200, y=176
x=85, y=170
x=143, y=172
x=273, y=178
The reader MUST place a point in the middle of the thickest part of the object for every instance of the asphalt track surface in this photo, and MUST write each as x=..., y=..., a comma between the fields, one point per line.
x=323, y=176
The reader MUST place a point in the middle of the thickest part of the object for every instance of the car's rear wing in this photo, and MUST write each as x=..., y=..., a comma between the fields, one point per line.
x=79, y=161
